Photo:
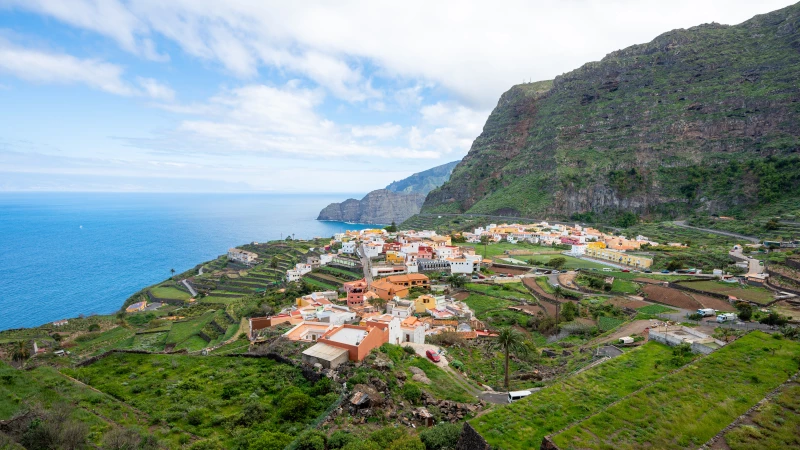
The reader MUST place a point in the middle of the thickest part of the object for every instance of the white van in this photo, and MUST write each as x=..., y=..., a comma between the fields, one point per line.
x=606, y=269
x=516, y=395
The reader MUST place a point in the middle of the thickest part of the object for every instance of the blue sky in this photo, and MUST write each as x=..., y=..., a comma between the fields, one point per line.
x=202, y=95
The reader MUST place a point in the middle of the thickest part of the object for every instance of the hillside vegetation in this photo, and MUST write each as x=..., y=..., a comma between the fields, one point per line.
x=699, y=119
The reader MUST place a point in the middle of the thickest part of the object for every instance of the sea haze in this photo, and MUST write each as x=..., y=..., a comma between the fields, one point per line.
x=65, y=254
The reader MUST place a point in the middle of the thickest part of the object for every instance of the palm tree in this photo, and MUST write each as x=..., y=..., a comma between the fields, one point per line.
x=20, y=352
x=557, y=293
x=273, y=263
x=173, y=272
x=510, y=340
x=456, y=281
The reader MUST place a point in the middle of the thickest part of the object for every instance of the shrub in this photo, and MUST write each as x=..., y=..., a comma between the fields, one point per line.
x=412, y=392
x=195, y=416
x=94, y=327
x=339, y=439
x=270, y=441
x=441, y=437
x=457, y=364
x=409, y=349
x=311, y=440
x=386, y=436
x=294, y=407
x=408, y=443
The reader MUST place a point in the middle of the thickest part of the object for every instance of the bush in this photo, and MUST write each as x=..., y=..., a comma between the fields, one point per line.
x=441, y=437
x=386, y=436
x=409, y=349
x=412, y=392
x=774, y=319
x=745, y=311
x=94, y=327
x=339, y=439
x=195, y=416
x=270, y=441
x=408, y=443
x=295, y=406
x=311, y=440
x=457, y=364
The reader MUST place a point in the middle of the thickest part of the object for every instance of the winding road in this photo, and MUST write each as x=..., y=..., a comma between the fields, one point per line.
x=682, y=223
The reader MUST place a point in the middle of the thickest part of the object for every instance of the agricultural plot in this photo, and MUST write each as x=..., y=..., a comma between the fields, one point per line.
x=48, y=388
x=775, y=424
x=685, y=409
x=523, y=424
x=233, y=400
x=671, y=297
x=170, y=292
x=656, y=309
x=605, y=323
x=510, y=291
x=91, y=343
x=481, y=304
x=749, y=293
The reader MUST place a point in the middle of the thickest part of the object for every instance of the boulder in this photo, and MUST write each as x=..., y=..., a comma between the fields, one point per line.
x=421, y=378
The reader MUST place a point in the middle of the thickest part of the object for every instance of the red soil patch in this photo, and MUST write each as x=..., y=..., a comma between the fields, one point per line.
x=461, y=296
x=636, y=304
x=671, y=297
x=713, y=303
x=530, y=309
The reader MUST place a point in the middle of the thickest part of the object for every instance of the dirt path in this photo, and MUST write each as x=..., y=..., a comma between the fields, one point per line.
x=567, y=279
x=635, y=327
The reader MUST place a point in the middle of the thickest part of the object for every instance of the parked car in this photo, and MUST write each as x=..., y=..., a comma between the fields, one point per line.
x=626, y=270
x=665, y=271
x=648, y=271
x=433, y=356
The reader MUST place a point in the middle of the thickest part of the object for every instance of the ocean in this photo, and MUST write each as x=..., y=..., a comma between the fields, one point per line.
x=65, y=254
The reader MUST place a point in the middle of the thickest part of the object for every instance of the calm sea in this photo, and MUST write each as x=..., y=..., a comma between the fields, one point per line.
x=67, y=254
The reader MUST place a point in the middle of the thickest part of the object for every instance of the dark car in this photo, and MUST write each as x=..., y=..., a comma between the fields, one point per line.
x=648, y=271
x=665, y=271
x=432, y=355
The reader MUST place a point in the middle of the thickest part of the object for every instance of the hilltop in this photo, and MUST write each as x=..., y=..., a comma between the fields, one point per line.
x=396, y=203
x=699, y=119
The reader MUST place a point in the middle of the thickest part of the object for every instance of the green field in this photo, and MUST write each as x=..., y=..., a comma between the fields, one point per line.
x=44, y=386
x=499, y=249
x=656, y=309
x=181, y=331
x=776, y=424
x=624, y=287
x=523, y=424
x=687, y=408
x=750, y=293
x=235, y=400
x=605, y=323
x=509, y=291
x=481, y=304
x=170, y=292
x=572, y=262
x=98, y=342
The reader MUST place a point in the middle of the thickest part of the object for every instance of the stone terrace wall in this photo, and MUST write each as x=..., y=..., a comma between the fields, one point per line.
x=471, y=439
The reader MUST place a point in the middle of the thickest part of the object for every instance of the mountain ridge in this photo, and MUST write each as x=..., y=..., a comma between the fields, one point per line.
x=705, y=118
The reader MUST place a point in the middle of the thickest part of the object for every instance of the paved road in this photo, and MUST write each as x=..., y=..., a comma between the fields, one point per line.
x=682, y=223
x=366, y=264
x=754, y=267
x=189, y=287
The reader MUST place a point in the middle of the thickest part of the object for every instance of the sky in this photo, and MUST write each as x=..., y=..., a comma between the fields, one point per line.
x=263, y=96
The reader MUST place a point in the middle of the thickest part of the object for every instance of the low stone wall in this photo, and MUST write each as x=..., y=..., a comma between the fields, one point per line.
x=169, y=301
x=471, y=439
x=793, y=263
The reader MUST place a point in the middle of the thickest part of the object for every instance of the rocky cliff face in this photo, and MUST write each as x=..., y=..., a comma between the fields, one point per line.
x=378, y=207
x=701, y=119
x=424, y=182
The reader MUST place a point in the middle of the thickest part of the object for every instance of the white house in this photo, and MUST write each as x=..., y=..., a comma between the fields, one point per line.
x=444, y=252
x=325, y=259
x=400, y=308
x=242, y=256
x=299, y=270
x=373, y=250
x=411, y=247
x=349, y=247
x=578, y=250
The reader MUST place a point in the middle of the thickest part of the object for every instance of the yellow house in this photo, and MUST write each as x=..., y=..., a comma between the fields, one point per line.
x=395, y=257
x=424, y=303
x=596, y=245
x=619, y=257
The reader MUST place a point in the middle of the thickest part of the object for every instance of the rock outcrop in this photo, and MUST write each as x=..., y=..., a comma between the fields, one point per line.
x=700, y=119
x=378, y=207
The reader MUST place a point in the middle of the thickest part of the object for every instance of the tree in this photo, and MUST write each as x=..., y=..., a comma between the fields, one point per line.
x=485, y=242
x=378, y=303
x=557, y=262
x=456, y=281
x=772, y=224
x=745, y=311
x=20, y=352
x=273, y=264
x=443, y=436
x=569, y=311
x=557, y=293
x=172, y=271
x=674, y=265
x=510, y=340
x=391, y=228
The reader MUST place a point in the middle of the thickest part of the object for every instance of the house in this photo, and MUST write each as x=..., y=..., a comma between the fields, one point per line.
x=317, y=298
x=348, y=247
x=466, y=265
x=395, y=257
x=308, y=331
x=432, y=265
x=313, y=261
x=412, y=330
x=343, y=343
x=60, y=323
x=299, y=270
x=372, y=250
x=138, y=306
x=387, y=290
x=401, y=308
x=426, y=302
x=425, y=251
x=385, y=322
x=241, y=256
x=619, y=257
x=411, y=280
x=676, y=335
x=355, y=292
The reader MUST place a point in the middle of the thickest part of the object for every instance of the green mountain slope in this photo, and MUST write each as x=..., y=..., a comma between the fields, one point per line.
x=425, y=181
x=702, y=119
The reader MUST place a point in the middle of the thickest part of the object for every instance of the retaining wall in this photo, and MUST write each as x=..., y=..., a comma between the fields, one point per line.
x=471, y=439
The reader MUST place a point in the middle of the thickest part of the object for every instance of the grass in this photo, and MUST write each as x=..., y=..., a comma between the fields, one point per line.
x=750, y=293
x=656, y=309
x=499, y=248
x=685, y=409
x=230, y=399
x=170, y=292
x=442, y=383
x=776, y=424
x=46, y=387
x=182, y=331
x=511, y=291
x=523, y=424
x=624, y=287
x=605, y=323
x=101, y=341
x=572, y=262
x=481, y=304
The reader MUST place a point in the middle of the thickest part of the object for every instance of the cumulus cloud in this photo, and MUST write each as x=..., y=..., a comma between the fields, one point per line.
x=59, y=68
x=384, y=131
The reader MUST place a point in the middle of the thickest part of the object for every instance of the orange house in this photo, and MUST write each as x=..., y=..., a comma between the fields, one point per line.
x=355, y=292
x=357, y=340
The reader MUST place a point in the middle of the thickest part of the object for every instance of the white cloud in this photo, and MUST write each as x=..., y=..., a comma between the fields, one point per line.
x=155, y=89
x=59, y=68
x=473, y=51
x=385, y=131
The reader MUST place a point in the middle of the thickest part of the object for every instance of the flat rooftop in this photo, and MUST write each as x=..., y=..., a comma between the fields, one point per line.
x=324, y=351
x=351, y=336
